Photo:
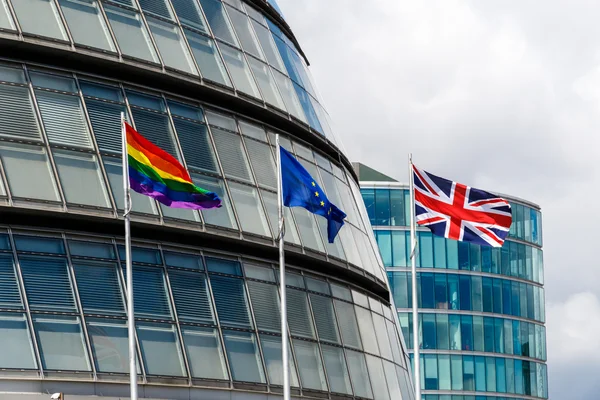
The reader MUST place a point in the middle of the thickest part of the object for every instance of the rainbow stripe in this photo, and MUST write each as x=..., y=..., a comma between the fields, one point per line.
x=155, y=173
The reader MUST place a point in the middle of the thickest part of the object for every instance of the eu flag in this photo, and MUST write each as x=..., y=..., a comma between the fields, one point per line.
x=302, y=190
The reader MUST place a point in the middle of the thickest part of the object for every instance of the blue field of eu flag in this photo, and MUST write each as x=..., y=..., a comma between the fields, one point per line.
x=302, y=190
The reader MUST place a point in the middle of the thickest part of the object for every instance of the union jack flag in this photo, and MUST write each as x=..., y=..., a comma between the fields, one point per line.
x=459, y=212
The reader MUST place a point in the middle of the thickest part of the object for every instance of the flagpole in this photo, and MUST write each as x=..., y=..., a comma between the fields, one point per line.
x=284, y=336
x=130, y=315
x=413, y=253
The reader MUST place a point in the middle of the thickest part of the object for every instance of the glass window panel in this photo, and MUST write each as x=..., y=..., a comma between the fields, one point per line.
x=267, y=85
x=442, y=334
x=18, y=353
x=271, y=347
x=465, y=292
x=348, y=324
x=189, y=14
x=457, y=372
x=232, y=155
x=480, y=378
x=309, y=229
x=63, y=119
x=441, y=291
x=453, y=292
x=18, y=116
x=28, y=172
x=309, y=365
x=299, y=316
x=399, y=250
x=268, y=46
x=110, y=348
x=491, y=374
x=131, y=34
x=487, y=296
x=265, y=303
x=230, y=299
x=81, y=178
x=191, y=296
x=150, y=297
x=40, y=17
x=245, y=33
x=377, y=378
x=428, y=331
x=476, y=294
x=444, y=372
x=86, y=23
x=47, y=283
x=398, y=285
x=249, y=208
x=171, y=45
x=161, y=350
x=359, y=375
x=325, y=318
x=337, y=371
x=207, y=57
x=262, y=163
x=431, y=371
x=99, y=287
x=382, y=337
x=455, y=332
x=500, y=375
x=37, y=244
x=290, y=98
x=309, y=111
x=240, y=73
x=468, y=373
x=478, y=333
x=159, y=7
x=106, y=120
x=10, y=296
x=243, y=355
x=367, y=330
x=291, y=230
x=91, y=249
x=384, y=242
x=294, y=280
x=6, y=20
x=204, y=351
x=466, y=332
x=222, y=216
x=217, y=19
x=61, y=344
x=427, y=290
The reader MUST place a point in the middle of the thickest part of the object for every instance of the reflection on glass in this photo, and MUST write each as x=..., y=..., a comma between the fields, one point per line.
x=109, y=345
x=359, y=374
x=265, y=80
x=219, y=216
x=271, y=346
x=28, y=172
x=377, y=378
x=189, y=14
x=131, y=34
x=86, y=23
x=161, y=351
x=217, y=19
x=249, y=208
x=208, y=58
x=337, y=372
x=309, y=365
x=18, y=353
x=81, y=178
x=61, y=344
x=171, y=46
x=244, y=359
x=204, y=351
x=244, y=32
x=240, y=73
x=40, y=17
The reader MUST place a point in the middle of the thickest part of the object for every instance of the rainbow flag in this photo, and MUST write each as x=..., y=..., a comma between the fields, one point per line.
x=155, y=173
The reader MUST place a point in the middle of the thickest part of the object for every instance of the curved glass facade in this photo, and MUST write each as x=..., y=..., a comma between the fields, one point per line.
x=481, y=309
x=211, y=82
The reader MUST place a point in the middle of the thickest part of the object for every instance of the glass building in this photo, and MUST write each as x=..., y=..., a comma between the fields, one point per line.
x=211, y=82
x=481, y=309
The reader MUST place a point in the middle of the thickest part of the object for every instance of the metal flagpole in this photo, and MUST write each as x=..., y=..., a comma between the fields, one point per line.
x=413, y=254
x=284, y=336
x=130, y=316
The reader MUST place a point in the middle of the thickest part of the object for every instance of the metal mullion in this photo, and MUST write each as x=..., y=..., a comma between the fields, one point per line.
x=80, y=306
x=64, y=22
x=253, y=174
x=219, y=328
x=225, y=184
x=23, y=293
x=255, y=326
x=124, y=294
x=151, y=36
x=213, y=38
x=176, y=318
x=110, y=30
x=317, y=338
x=45, y=140
x=95, y=145
x=128, y=110
x=178, y=144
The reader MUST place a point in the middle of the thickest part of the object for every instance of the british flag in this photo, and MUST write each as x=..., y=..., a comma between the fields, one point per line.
x=460, y=212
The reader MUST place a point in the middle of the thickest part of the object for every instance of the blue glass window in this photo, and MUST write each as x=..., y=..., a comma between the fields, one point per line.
x=47, y=283
x=161, y=350
x=99, y=287
x=457, y=372
x=384, y=241
x=453, y=298
x=497, y=290
x=399, y=250
x=9, y=290
x=463, y=255
x=205, y=353
x=368, y=196
x=18, y=351
x=491, y=373
x=431, y=372
x=244, y=357
x=230, y=299
x=223, y=266
x=426, y=249
x=488, y=327
x=475, y=257
x=466, y=332
x=150, y=295
x=439, y=252
x=486, y=259
x=442, y=335
x=91, y=249
x=452, y=253
x=478, y=342
x=480, y=378
x=500, y=375
x=499, y=335
x=382, y=207
x=427, y=291
x=516, y=337
x=429, y=334
x=487, y=294
x=61, y=343
x=465, y=292
x=39, y=245
x=397, y=208
x=476, y=299
x=190, y=293
x=506, y=298
x=141, y=255
x=468, y=373
x=441, y=291
x=516, y=300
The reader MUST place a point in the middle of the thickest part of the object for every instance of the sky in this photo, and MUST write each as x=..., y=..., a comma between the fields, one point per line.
x=499, y=95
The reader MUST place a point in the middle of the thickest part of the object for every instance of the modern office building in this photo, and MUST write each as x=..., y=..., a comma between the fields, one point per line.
x=210, y=82
x=481, y=309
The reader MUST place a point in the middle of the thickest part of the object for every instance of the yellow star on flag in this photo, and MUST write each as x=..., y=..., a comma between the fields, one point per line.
x=314, y=185
x=317, y=194
x=322, y=204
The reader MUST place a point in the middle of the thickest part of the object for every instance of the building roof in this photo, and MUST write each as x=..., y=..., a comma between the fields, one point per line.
x=366, y=173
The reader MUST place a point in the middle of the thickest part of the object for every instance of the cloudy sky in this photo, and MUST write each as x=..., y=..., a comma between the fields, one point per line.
x=501, y=95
